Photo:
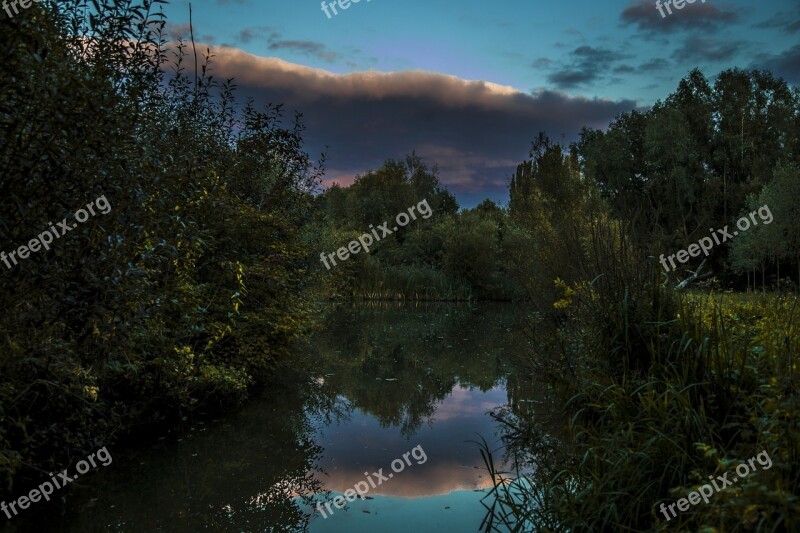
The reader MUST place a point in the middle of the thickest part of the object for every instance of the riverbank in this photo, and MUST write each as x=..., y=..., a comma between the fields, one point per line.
x=720, y=384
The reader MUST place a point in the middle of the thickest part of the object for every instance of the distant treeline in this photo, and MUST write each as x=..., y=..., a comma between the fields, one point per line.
x=448, y=256
x=702, y=158
x=697, y=160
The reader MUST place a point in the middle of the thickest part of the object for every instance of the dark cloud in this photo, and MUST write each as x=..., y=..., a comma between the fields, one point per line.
x=707, y=49
x=310, y=48
x=587, y=54
x=177, y=30
x=585, y=64
x=654, y=65
x=785, y=65
x=706, y=16
x=256, y=32
x=571, y=78
x=275, y=42
x=475, y=131
x=788, y=22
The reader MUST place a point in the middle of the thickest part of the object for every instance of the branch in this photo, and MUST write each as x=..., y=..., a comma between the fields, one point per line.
x=694, y=277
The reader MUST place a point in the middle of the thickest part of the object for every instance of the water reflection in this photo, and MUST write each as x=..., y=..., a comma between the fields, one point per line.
x=371, y=385
x=426, y=376
x=397, y=363
x=363, y=445
x=242, y=472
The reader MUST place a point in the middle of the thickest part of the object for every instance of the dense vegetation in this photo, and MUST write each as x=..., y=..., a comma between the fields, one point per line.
x=662, y=388
x=451, y=255
x=186, y=293
x=648, y=424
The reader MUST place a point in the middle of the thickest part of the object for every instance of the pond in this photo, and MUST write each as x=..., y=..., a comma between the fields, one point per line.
x=374, y=383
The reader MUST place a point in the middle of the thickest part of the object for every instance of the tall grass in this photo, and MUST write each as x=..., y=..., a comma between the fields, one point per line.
x=410, y=283
x=661, y=390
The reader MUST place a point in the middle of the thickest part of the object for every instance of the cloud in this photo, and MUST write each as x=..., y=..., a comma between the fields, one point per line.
x=586, y=64
x=788, y=22
x=247, y=35
x=275, y=42
x=183, y=31
x=704, y=16
x=654, y=65
x=476, y=131
x=785, y=64
x=707, y=49
x=624, y=69
x=305, y=47
x=177, y=30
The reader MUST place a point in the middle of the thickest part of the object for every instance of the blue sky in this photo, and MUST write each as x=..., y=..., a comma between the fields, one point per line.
x=549, y=66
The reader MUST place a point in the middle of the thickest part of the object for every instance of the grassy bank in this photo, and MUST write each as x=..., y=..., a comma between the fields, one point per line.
x=713, y=383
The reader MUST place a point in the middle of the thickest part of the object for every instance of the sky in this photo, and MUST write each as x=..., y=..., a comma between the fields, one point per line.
x=469, y=84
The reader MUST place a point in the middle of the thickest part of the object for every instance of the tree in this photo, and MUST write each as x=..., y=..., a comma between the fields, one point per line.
x=782, y=196
x=470, y=250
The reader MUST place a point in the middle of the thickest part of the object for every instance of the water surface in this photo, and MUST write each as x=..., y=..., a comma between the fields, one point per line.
x=372, y=384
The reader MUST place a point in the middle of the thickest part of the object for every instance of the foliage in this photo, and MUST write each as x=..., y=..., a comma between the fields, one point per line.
x=660, y=389
x=694, y=160
x=449, y=256
x=184, y=295
x=691, y=390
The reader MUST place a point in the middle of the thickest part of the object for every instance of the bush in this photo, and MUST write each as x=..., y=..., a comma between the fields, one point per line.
x=188, y=290
x=662, y=390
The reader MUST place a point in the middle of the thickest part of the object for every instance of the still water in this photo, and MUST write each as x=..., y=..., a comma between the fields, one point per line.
x=372, y=384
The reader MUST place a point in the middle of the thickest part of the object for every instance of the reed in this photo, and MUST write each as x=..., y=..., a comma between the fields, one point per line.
x=661, y=390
